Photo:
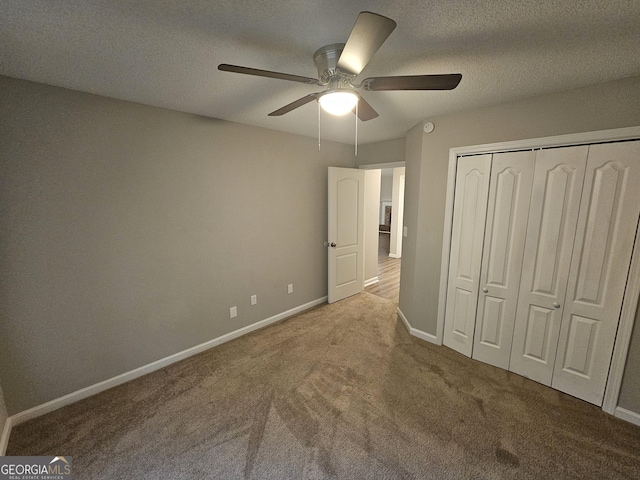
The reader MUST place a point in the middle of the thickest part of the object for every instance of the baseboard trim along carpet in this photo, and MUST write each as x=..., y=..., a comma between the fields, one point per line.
x=371, y=281
x=628, y=415
x=91, y=390
x=415, y=332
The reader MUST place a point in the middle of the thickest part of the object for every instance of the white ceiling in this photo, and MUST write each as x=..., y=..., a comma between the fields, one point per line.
x=166, y=53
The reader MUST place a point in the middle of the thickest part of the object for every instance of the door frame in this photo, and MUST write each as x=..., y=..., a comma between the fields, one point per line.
x=381, y=166
x=632, y=291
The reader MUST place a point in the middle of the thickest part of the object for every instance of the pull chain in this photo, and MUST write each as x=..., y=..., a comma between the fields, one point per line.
x=318, y=126
x=357, y=129
x=319, y=123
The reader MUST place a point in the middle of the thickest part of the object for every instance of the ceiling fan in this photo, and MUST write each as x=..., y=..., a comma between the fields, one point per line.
x=339, y=64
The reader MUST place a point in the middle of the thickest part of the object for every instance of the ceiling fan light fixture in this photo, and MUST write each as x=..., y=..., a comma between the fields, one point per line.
x=338, y=102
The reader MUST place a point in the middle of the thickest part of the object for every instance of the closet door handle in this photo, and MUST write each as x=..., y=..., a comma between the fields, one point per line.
x=485, y=290
x=556, y=304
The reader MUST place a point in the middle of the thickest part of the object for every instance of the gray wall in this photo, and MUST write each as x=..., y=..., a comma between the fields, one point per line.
x=386, y=188
x=605, y=106
x=128, y=231
x=387, y=151
x=413, y=166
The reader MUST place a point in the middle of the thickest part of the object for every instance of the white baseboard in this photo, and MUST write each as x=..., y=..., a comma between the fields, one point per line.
x=628, y=415
x=393, y=255
x=4, y=438
x=371, y=281
x=415, y=332
x=73, y=397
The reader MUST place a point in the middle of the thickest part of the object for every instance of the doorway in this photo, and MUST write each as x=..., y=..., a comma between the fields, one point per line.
x=388, y=284
x=384, y=259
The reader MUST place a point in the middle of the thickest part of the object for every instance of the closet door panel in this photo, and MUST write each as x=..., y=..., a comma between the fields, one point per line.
x=539, y=332
x=469, y=214
x=507, y=213
x=555, y=200
x=601, y=256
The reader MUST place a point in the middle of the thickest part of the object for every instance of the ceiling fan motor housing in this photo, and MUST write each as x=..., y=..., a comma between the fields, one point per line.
x=326, y=60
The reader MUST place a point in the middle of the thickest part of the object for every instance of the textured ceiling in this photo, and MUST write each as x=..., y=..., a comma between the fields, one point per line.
x=165, y=53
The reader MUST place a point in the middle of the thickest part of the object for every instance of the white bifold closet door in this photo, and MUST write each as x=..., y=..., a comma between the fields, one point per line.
x=491, y=205
x=555, y=200
x=470, y=210
x=541, y=246
x=504, y=238
x=600, y=262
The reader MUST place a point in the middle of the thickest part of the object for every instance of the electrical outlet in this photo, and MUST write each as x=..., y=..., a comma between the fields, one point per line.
x=254, y=299
x=233, y=312
x=290, y=288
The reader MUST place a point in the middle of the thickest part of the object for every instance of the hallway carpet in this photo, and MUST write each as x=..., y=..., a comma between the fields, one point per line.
x=341, y=391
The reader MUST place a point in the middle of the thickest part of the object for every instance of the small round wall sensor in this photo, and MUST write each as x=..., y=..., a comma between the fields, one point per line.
x=428, y=127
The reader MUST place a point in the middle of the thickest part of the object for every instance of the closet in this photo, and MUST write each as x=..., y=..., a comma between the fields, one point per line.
x=541, y=244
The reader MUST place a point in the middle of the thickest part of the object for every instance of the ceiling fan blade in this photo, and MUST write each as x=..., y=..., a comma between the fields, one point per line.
x=293, y=105
x=267, y=73
x=367, y=35
x=365, y=111
x=413, y=82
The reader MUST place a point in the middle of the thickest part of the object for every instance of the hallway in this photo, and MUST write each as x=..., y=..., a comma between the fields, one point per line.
x=388, y=285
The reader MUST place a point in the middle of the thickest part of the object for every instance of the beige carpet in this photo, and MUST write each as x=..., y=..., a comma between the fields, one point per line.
x=341, y=391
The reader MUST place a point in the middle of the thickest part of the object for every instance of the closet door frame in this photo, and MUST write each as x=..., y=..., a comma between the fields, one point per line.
x=632, y=292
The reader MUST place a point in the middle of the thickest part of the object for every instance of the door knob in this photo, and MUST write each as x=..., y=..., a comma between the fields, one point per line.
x=485, y=290
x=556, y=304
x=332, y=244
x=327, y=244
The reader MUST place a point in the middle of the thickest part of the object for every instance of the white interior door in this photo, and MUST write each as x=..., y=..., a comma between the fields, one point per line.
x=601, y=257
x=346, y=232
x=555, y=200
x=507, y=214
x=469, y=214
